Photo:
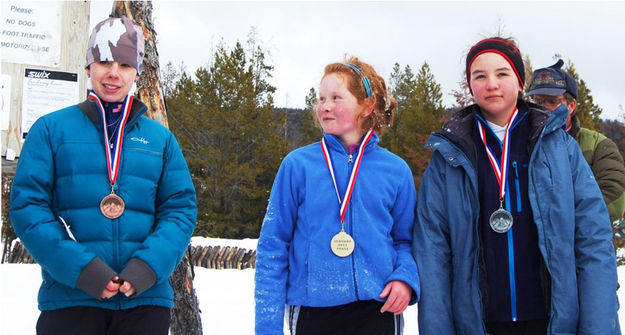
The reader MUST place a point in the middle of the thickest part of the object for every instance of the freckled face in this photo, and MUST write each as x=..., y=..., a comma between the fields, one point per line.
x=111, y=81
x=338, y=110
x=495, y=86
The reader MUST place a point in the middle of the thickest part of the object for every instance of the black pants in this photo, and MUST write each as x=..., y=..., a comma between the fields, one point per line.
x=532, y=327
x=142, y=320
x=357, y=318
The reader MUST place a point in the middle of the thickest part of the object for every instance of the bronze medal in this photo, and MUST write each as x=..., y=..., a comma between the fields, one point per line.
x=342, y=244
x=112, y=206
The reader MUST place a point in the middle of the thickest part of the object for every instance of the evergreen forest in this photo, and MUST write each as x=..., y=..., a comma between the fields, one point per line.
x=234, y=137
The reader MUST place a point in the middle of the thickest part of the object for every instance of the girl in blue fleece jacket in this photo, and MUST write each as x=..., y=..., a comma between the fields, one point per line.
x=335, y=244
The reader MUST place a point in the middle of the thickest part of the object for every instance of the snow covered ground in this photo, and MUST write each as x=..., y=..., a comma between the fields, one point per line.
x=226, y=297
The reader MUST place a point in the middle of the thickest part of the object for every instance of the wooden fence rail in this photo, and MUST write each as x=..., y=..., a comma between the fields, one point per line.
x=210, y=257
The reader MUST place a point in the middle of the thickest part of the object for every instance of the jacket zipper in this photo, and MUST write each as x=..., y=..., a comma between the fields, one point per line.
x=115, y=223
x=116, y=228
x=350, y=230
x=511, y=272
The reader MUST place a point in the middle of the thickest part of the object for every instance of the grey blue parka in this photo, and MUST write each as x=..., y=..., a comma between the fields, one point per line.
x=574, y=232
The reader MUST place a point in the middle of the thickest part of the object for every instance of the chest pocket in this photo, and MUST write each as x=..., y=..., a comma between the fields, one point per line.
x=143, y=163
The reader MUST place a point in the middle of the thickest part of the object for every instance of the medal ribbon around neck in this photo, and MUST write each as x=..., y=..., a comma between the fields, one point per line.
x=352, y=178
x=500, y=172
x=113, y=155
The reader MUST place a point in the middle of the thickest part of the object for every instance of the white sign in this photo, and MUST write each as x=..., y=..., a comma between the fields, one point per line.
x=46, y=91
x=31, y=32
x=5, y=102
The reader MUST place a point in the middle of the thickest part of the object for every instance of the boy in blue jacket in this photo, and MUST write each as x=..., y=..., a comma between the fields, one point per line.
x=103, y=201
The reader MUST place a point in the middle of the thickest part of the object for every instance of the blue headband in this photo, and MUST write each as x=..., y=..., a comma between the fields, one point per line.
x=365, y=80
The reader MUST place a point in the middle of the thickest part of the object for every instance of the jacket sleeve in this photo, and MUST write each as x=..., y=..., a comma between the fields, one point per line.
x=36, y=224
x=175, y=220
x=432, y=251
x=403, y=214
x=594, y=253
x=273, y=252
x=608, y=168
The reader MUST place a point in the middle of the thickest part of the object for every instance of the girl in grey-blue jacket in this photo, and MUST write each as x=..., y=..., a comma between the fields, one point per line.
x=296, y=263
x=574, y=271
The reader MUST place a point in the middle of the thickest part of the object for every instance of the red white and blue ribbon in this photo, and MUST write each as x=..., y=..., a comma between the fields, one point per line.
x=113, y=154
x=353, y=176
x=501, y=172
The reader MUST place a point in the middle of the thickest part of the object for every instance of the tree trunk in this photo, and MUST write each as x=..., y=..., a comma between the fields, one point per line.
x=8, y=235
x=149, y=88
x=185, y=317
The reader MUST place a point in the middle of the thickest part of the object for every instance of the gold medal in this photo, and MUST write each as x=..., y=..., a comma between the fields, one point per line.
x=342, y=244
x=112, y=206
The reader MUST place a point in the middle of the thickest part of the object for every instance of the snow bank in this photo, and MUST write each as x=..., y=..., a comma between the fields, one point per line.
x=226, y=298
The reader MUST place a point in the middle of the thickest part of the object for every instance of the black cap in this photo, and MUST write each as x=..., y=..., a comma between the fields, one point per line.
x=553, y=81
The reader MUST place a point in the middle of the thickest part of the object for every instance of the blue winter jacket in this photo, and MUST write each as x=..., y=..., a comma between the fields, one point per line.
x=295, y=264
x=62, y=172
x=574, y=233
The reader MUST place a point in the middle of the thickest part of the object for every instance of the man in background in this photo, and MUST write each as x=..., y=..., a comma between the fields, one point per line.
x=552, y=86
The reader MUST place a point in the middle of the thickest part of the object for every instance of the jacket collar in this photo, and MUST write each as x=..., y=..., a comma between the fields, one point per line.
x=90, y=109
x=556, y=119
x=458, y=129
x=575, y=125
x=334, y=143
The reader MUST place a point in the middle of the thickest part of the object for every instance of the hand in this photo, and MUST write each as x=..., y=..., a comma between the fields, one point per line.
x=111, y=288
x=127, y=288
x=398, y=294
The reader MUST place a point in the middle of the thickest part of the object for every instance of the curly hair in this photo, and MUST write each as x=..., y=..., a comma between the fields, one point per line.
x=383, y=112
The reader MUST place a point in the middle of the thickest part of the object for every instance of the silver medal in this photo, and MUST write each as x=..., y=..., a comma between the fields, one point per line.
x=501, y=220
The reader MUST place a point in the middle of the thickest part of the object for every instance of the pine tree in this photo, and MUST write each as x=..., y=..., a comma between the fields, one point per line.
x=229, y=132
x=587, y=111
x=529, y=70
x=301, y=125
x=419, y=112
x=169, y=77
x=430, y=101
x=462, y=96
x=310, y=130
x=401, y=85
